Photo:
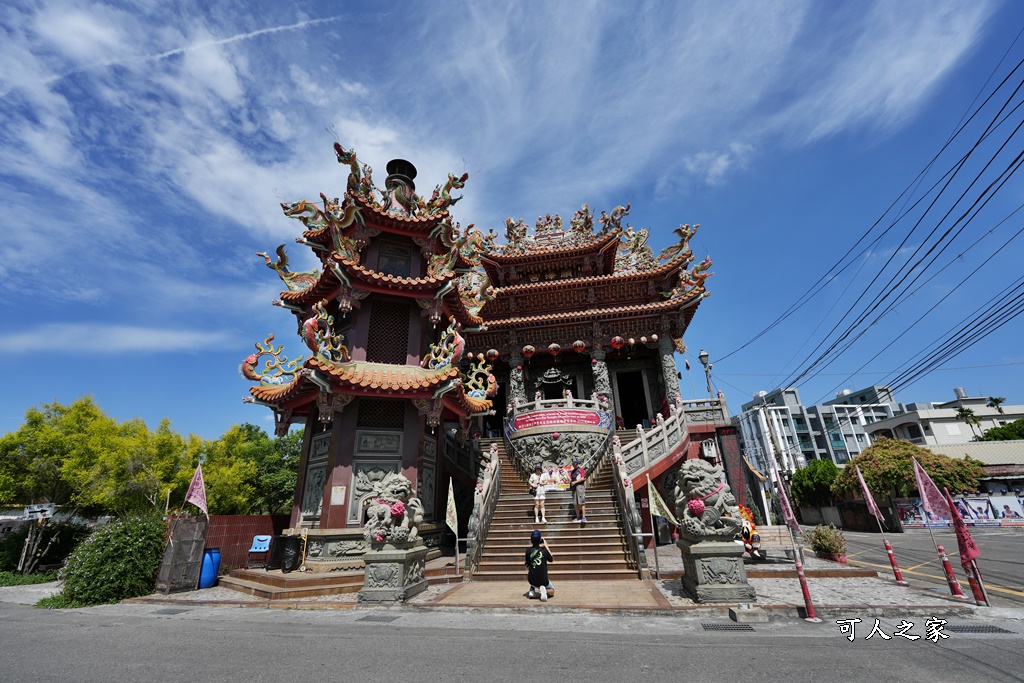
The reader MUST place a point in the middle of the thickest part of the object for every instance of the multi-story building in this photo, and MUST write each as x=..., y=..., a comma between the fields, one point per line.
x=840, y=427
x=781, y=412
x=936, y=424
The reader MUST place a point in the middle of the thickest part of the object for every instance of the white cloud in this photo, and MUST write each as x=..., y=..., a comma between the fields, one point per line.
x=105, y=339
x=713, y=166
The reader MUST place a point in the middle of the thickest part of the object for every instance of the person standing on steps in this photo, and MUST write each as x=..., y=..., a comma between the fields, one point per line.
x=578, y=485
x=537, y=558
x=538, y=482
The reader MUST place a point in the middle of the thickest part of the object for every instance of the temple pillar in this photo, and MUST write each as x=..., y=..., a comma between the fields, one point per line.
x=669, y=373
x=602, y=381
x=516, y=389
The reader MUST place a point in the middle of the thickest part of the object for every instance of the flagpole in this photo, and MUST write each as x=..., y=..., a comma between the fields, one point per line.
x=923, y=480
x=981, y=584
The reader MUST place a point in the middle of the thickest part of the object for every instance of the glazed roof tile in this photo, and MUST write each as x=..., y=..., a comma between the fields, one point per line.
x=556, y=250
x=323, y=288
x=690, y=298
x=594, y=280
x=399, y=224
x=365, y=375
x=392, y=281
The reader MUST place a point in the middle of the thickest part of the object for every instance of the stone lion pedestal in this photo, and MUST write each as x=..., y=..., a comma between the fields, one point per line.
x=394, y=573
x=713, y=570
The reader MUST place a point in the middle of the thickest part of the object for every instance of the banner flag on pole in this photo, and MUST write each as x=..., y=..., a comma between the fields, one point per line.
x=872, y=506
x=658, y=506
x=968, y=548
x=197, y=491
x=451, y=514
x=931, y=498
x=787, y=510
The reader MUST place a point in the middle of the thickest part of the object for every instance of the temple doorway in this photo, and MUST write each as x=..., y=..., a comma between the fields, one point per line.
x=631, y=397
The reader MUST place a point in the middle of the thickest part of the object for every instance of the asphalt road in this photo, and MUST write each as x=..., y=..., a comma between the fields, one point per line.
x=162, y=643
x=1001, y=561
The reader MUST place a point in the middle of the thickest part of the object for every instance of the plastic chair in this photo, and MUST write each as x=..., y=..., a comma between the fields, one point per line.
x=260, y=544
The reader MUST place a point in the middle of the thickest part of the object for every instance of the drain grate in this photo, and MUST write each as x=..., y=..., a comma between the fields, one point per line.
x=971, y=628
x=172, y=610
x=727, y=627
x=378, y=619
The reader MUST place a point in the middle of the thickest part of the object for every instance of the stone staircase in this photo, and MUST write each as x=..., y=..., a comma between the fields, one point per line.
x=582, y=552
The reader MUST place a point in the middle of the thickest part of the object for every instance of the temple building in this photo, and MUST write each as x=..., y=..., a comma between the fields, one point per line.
x=438, y=353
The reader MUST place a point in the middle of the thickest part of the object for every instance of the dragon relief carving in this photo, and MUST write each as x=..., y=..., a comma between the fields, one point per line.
x=633, y=253
x=318, y=333
x=479, y=382
x=277, y=369
x=447, y=351
x=393, y=514
x=441, y=199
x=704, y=503
x=295, y=282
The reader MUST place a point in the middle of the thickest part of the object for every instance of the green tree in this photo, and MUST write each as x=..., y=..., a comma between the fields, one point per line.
x=1011, y=432
x=887, y=466
x=997, y=403
x=812, y=485
x=44, y=459
x=277, y=466
x=968, y=416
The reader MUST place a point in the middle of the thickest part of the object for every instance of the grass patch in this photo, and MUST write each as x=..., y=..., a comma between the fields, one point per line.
x=16, y=579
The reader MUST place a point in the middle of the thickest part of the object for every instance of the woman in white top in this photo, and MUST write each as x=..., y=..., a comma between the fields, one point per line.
x=539, y=481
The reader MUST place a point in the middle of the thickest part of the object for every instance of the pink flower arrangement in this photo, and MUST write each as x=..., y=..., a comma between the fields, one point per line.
x=627, y=482
x=397, y=509
x=379, y=537
x=696, y=507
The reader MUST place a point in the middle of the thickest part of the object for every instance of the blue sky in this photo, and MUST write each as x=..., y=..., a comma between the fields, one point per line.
x=145, y=147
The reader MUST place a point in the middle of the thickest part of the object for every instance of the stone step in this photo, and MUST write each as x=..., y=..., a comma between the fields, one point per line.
x=565, y=565
x=262, y=590
x=557, y=575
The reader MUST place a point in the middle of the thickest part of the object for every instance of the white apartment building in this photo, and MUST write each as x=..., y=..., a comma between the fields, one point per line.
x=936, y=424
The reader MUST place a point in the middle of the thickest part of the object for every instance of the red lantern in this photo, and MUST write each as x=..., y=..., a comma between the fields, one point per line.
x=579, y=346
x=492, y=355
x=618, y=342
x=554, y=349
x=528, y=351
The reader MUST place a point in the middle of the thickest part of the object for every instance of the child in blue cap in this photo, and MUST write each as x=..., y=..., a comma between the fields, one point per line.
x=537, y=558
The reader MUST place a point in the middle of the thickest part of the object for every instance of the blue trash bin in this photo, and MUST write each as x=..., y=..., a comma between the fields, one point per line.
x=211, y=565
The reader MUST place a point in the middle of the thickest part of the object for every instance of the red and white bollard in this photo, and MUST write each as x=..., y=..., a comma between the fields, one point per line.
x=808, y=605
x=979, y=596
x=954, y=585
x=892, y=561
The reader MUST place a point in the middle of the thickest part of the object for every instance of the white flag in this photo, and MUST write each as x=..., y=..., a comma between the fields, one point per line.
x=451, y=515
x=658, y=506
x=197, y=491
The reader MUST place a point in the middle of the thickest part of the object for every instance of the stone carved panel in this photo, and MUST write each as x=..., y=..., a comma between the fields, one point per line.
x=414, y=573
x=313, y=494
x=426, y=489
x=719, y=570
x=320, y=448
x=379, y=442
x=366, y=473
x=429, y=450
x=382, y=575
x=635, y=464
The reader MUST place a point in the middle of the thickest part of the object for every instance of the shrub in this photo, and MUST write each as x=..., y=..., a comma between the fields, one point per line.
x=117, y=561
x=827, y=539
x=812, y=485
x=10, y=548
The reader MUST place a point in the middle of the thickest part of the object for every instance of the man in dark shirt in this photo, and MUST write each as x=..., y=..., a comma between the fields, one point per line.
x=537, y=558
x=577, y=482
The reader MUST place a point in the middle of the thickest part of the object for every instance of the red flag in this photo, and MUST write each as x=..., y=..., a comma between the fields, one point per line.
x=197, y=491
x=872, y=506
x=968, y=548
x=931, y=498
x=787, y=510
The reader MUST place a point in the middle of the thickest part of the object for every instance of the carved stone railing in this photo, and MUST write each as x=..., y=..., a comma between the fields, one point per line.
x=651, y=445
x=705, y=411
x=627, y=504
x=485, y=499
x=538, y=432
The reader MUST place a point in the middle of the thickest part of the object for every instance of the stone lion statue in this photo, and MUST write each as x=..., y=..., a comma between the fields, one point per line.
x=393, y=514
x=705, y=505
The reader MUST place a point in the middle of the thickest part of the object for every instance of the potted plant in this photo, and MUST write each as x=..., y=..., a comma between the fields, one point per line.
x=828, y=542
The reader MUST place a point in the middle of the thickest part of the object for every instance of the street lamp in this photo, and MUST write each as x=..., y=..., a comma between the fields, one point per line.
x=703, y=358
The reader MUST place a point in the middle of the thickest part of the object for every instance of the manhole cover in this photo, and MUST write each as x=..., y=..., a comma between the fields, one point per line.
x=378, y=619
x=727, y=627
x=971, y=628
x=172, y=610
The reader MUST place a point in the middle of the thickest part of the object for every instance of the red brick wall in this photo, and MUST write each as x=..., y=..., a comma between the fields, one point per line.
x=233, y=535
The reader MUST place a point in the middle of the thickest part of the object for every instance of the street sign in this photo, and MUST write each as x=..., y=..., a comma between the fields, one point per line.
x=42, y=511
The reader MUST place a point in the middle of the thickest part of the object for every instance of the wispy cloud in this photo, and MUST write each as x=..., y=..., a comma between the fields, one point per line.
x=108, y=339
